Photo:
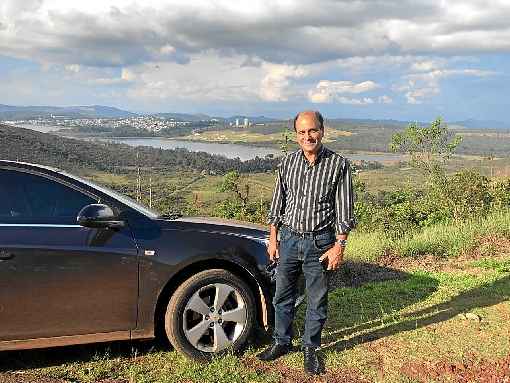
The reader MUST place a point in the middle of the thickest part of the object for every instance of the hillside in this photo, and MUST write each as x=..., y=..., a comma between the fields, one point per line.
x=10, y=112
x=43, y=148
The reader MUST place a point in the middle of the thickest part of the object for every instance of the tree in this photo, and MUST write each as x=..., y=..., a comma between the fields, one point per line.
x=232, y=183
x=429, y=148
x=286, y=136
x=460, y=196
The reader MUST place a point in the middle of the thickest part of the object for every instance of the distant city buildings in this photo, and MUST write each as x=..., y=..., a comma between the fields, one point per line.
x=150, y=123
x=246, y=123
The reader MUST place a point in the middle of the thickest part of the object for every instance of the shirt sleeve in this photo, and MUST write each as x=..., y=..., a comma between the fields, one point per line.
x=344, y=201
x=278, y=202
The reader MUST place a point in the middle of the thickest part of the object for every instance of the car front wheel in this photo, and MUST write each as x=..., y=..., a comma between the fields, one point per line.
x=209, y=313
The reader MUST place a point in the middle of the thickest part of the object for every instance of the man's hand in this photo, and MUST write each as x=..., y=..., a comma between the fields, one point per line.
x=272, y=247
x=272, y=250
x=334, y=257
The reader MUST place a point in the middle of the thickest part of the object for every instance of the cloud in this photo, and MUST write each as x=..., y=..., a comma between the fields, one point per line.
x=127, y=75
x=416, y=95
x=421, y=86
x=167, y=50
x=426, y=65
x=107, y=81
x=276, y=84
x=355, y=101
x=329, y=91
x=73, y=68
x=118, y=33
x=207, y=78
x=384, y=99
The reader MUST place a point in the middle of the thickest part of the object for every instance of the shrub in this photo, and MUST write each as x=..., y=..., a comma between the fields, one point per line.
x=500, y=193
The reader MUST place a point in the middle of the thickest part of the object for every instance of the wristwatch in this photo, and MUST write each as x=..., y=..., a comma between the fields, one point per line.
x=342, y=242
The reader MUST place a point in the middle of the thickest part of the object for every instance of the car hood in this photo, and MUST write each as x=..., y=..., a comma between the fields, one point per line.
x=218, y=225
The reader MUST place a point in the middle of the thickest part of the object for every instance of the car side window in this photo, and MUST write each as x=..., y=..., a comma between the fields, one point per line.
x=29, y=198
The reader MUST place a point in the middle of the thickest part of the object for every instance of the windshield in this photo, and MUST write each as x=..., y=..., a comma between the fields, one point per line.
x=120, y=197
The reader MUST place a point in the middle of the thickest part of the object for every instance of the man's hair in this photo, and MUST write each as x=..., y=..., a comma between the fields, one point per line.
x=318, y=117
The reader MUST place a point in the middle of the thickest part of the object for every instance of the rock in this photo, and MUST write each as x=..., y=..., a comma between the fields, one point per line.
x=470, y=316
x=473, y=316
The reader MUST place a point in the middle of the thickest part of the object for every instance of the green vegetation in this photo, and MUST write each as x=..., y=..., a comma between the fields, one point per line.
x=455, y=238
x=448, y=239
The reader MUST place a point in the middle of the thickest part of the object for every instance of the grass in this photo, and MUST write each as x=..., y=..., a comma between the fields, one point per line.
x=453, y=239
x=442, y=240
x=249, y=136
x=367, y=246
x=493, y=264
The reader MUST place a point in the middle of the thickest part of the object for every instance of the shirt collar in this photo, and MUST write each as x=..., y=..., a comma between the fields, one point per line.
x=320, y=153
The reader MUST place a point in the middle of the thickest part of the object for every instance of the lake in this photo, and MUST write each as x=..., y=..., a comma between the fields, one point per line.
x=244, y=152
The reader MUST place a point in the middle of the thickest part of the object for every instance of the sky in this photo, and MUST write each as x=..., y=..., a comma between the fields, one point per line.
x=381, y=59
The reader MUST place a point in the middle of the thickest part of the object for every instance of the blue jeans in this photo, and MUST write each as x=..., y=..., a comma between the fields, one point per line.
x=301, y=253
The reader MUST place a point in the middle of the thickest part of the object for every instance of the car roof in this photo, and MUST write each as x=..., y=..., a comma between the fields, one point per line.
x=30, y=166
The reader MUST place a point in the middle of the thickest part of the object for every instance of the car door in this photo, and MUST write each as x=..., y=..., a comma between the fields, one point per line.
x=58, y=278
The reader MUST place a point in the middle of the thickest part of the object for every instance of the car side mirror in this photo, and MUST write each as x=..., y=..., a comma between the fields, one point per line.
x=98, y=216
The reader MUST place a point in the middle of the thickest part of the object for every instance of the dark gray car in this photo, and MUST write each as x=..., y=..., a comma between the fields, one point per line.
x=80, y=263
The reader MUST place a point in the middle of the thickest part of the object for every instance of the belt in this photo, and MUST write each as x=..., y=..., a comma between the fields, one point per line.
x=308, y=234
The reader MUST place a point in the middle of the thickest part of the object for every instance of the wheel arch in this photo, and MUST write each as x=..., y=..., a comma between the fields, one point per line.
x=262, y=306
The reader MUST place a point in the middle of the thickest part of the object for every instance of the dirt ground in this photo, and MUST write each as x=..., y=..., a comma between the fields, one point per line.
x=471, y=370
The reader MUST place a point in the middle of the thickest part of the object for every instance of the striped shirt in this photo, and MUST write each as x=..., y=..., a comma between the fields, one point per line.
x=312, y=197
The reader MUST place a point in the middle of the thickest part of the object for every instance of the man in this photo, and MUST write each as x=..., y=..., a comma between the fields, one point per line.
x=312, y=209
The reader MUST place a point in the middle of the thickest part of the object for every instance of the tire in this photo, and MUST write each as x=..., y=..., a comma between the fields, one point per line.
x=199, y=325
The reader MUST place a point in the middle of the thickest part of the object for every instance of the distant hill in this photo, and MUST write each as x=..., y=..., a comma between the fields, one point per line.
x=184, y=116
x=482, y=124
x=370, y=122
x=205, y=117
x=70, y=154
x=10, y=112
x=252, y=119
x=470, y=123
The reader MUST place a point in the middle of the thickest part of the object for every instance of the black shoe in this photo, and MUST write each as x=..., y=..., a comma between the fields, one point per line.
x=311, y=361
x=274, y=352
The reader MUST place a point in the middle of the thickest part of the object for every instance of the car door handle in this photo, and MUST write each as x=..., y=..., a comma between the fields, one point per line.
x=4, y=256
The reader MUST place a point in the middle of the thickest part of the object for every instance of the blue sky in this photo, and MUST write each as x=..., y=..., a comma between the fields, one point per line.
x=399, y=59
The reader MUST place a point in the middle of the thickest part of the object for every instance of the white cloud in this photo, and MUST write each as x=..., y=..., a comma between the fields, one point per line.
x=425, y=66
x=167, y=49
x=355, y=101
x=106, y=81
x=207, y=78
x=329, y=91
x=73, y=68
x=127, y=75
x=421, y=86
x=276, y=84
x=415, y=96
x=384, y=99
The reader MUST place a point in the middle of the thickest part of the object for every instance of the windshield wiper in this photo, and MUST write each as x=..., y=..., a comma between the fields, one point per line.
x=170, y=216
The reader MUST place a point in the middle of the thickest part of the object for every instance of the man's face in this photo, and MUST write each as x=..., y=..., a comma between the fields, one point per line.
x=308, y=133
